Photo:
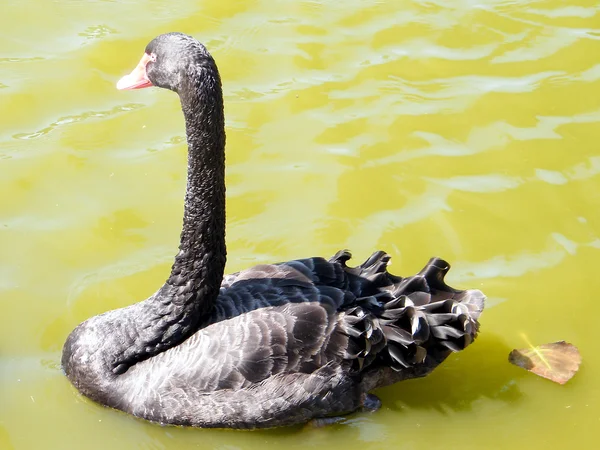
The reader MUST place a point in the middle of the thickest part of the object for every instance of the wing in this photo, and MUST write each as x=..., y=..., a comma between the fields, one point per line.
x=308, y=280
x=305, y=280
x=251, y=347
x=270, y=366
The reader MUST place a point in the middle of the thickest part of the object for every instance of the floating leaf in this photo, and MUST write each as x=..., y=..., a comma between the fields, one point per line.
x=557, y=362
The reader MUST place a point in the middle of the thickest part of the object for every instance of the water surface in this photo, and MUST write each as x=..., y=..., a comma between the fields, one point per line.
x=463, y=129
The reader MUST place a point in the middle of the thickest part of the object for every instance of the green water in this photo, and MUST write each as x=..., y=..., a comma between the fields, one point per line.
x=464, y=129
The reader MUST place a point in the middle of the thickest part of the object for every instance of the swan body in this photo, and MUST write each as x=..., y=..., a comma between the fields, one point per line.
x=273, y=345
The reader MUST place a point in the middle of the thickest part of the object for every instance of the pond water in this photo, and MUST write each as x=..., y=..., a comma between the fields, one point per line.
x=463, y=129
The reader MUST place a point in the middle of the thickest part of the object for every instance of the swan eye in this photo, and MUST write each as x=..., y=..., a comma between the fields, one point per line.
x=153, y=57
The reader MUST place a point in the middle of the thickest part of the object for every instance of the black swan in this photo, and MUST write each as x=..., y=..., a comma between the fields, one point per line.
x=269, y=346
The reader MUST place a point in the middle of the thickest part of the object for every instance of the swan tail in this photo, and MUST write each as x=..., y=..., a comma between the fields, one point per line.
x=370, y=276
x=413, y=321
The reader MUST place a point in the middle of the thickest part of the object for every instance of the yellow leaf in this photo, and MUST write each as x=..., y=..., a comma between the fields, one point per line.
x=557, y=361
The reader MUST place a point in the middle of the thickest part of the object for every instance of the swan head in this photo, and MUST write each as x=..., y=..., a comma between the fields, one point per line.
x=168, y=62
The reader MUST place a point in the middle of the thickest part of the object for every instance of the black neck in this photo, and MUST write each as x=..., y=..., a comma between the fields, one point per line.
x=175, y=312
x=198, y=269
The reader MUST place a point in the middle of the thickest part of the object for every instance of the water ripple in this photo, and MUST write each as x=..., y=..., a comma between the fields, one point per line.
x=97, y=32
x=567, y=11
x=66, y=120
x=21, y=59
x=479, y=183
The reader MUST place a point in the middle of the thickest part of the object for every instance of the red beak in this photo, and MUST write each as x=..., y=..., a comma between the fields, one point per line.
x=138, y=78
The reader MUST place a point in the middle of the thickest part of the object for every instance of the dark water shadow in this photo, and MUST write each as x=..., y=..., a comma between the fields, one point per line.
x=480, y=372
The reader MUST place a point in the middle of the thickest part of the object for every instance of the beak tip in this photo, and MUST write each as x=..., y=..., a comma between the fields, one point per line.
x=137, y=79
x=130, y=82
x=123, y=83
